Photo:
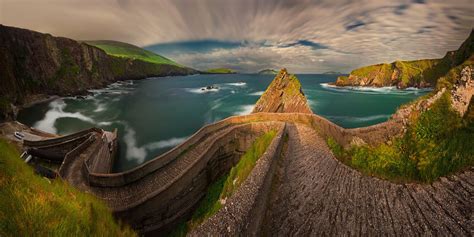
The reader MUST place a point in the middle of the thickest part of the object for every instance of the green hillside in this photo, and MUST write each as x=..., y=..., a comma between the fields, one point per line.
x=34, y=206
x=120, y=49
x=418, y=73
x=220, y=71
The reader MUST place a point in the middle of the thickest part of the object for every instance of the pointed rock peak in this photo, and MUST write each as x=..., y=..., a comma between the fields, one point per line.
x=283, y=95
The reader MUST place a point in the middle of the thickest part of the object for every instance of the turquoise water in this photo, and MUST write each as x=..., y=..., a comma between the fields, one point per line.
x=156, y=114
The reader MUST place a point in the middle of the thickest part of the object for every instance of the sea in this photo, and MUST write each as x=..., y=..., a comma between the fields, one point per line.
x=156, y=114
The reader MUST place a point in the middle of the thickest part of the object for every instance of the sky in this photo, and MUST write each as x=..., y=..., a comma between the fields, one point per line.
x=305, y=36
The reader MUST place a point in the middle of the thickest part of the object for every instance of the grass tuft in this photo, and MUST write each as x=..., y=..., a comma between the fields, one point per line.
x=34, y=206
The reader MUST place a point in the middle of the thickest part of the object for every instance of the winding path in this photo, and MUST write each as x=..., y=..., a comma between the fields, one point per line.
x=316, y=195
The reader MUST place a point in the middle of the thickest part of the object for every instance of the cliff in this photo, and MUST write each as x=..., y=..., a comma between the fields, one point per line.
x=418, y=73
x=32, y=64
x=283, y=95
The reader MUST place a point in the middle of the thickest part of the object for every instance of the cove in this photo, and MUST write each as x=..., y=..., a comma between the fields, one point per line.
x=156, y=114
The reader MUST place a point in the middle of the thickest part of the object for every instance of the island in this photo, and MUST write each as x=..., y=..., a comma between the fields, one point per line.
x=268, y=72
x=220, y=71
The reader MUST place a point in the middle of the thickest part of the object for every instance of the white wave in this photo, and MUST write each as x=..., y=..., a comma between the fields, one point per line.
x=104, y=123
x=244, y=110
x=57, y=111
x=258, y=93
x=165, y=143
x=201, y=90
x=100, y=107
x=374, y=90
x=359, y=119
x=133, y=151
x=236, y=84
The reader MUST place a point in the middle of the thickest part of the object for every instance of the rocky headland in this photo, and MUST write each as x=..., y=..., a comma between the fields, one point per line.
x=283, y=95
x=34, y=66
x=417, y=73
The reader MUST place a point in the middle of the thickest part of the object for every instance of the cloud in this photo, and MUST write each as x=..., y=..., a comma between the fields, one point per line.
x=252, y=34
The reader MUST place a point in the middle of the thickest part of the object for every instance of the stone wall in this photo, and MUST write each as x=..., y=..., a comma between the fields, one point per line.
x=169, y=204
x=244, y=211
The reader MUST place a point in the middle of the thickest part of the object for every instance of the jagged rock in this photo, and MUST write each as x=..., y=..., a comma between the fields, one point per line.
x=283, y=95
x=462, y=91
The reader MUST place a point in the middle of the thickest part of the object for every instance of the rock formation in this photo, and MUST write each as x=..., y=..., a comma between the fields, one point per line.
x=32, y=63
x=283, y=95
x=462, y=91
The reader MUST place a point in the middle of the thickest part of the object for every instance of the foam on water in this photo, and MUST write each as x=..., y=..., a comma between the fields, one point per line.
x=374, y=90
x=244, y=110
x=55, y=112
x=257, y=93
x=236, y=84
x=358, y=119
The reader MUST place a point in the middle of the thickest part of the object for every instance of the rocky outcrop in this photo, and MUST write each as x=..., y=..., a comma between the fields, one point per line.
x=462, y=91
x=283, y=95
x=418, y=73
x=33, y=63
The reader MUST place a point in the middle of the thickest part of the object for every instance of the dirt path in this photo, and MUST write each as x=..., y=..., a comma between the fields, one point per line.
x=314, y=194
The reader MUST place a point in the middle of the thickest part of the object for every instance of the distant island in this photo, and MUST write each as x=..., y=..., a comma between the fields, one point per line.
x=333, y=73
x=220, y=71
x=268, y=72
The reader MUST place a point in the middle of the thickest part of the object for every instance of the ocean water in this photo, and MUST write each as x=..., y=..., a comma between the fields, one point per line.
x=156, y=114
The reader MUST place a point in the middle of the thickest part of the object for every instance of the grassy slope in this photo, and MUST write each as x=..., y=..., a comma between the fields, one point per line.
x=437, y=143
x=34, y=206
x=220, y=71
x=120, y=49
x=226, y=185
x=425, y=70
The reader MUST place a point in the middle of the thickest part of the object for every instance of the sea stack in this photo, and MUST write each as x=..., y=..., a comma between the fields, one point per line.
x=283, y=95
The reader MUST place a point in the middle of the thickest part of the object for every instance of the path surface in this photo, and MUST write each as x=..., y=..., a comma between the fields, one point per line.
x=316, y=195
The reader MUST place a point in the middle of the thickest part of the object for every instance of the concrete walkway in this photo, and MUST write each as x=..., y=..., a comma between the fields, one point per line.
x=316, y=195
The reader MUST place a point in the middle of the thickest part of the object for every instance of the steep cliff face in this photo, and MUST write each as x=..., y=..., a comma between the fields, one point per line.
x=418, y=73
x=33, y=63
x=283, y=95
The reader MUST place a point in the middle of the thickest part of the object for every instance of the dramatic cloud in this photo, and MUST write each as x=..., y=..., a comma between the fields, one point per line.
x=248, y=35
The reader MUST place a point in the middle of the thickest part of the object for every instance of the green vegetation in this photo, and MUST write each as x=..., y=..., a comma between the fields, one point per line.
x=124, y=50
x=437, y=142
x=293, y=87
x=220, y=71
x=34, y=206
x=226, y=185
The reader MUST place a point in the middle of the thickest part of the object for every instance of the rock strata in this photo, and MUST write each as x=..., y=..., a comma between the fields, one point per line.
x=283, y=95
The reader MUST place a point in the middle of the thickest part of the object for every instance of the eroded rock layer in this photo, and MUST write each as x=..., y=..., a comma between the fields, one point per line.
x=283, y=95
